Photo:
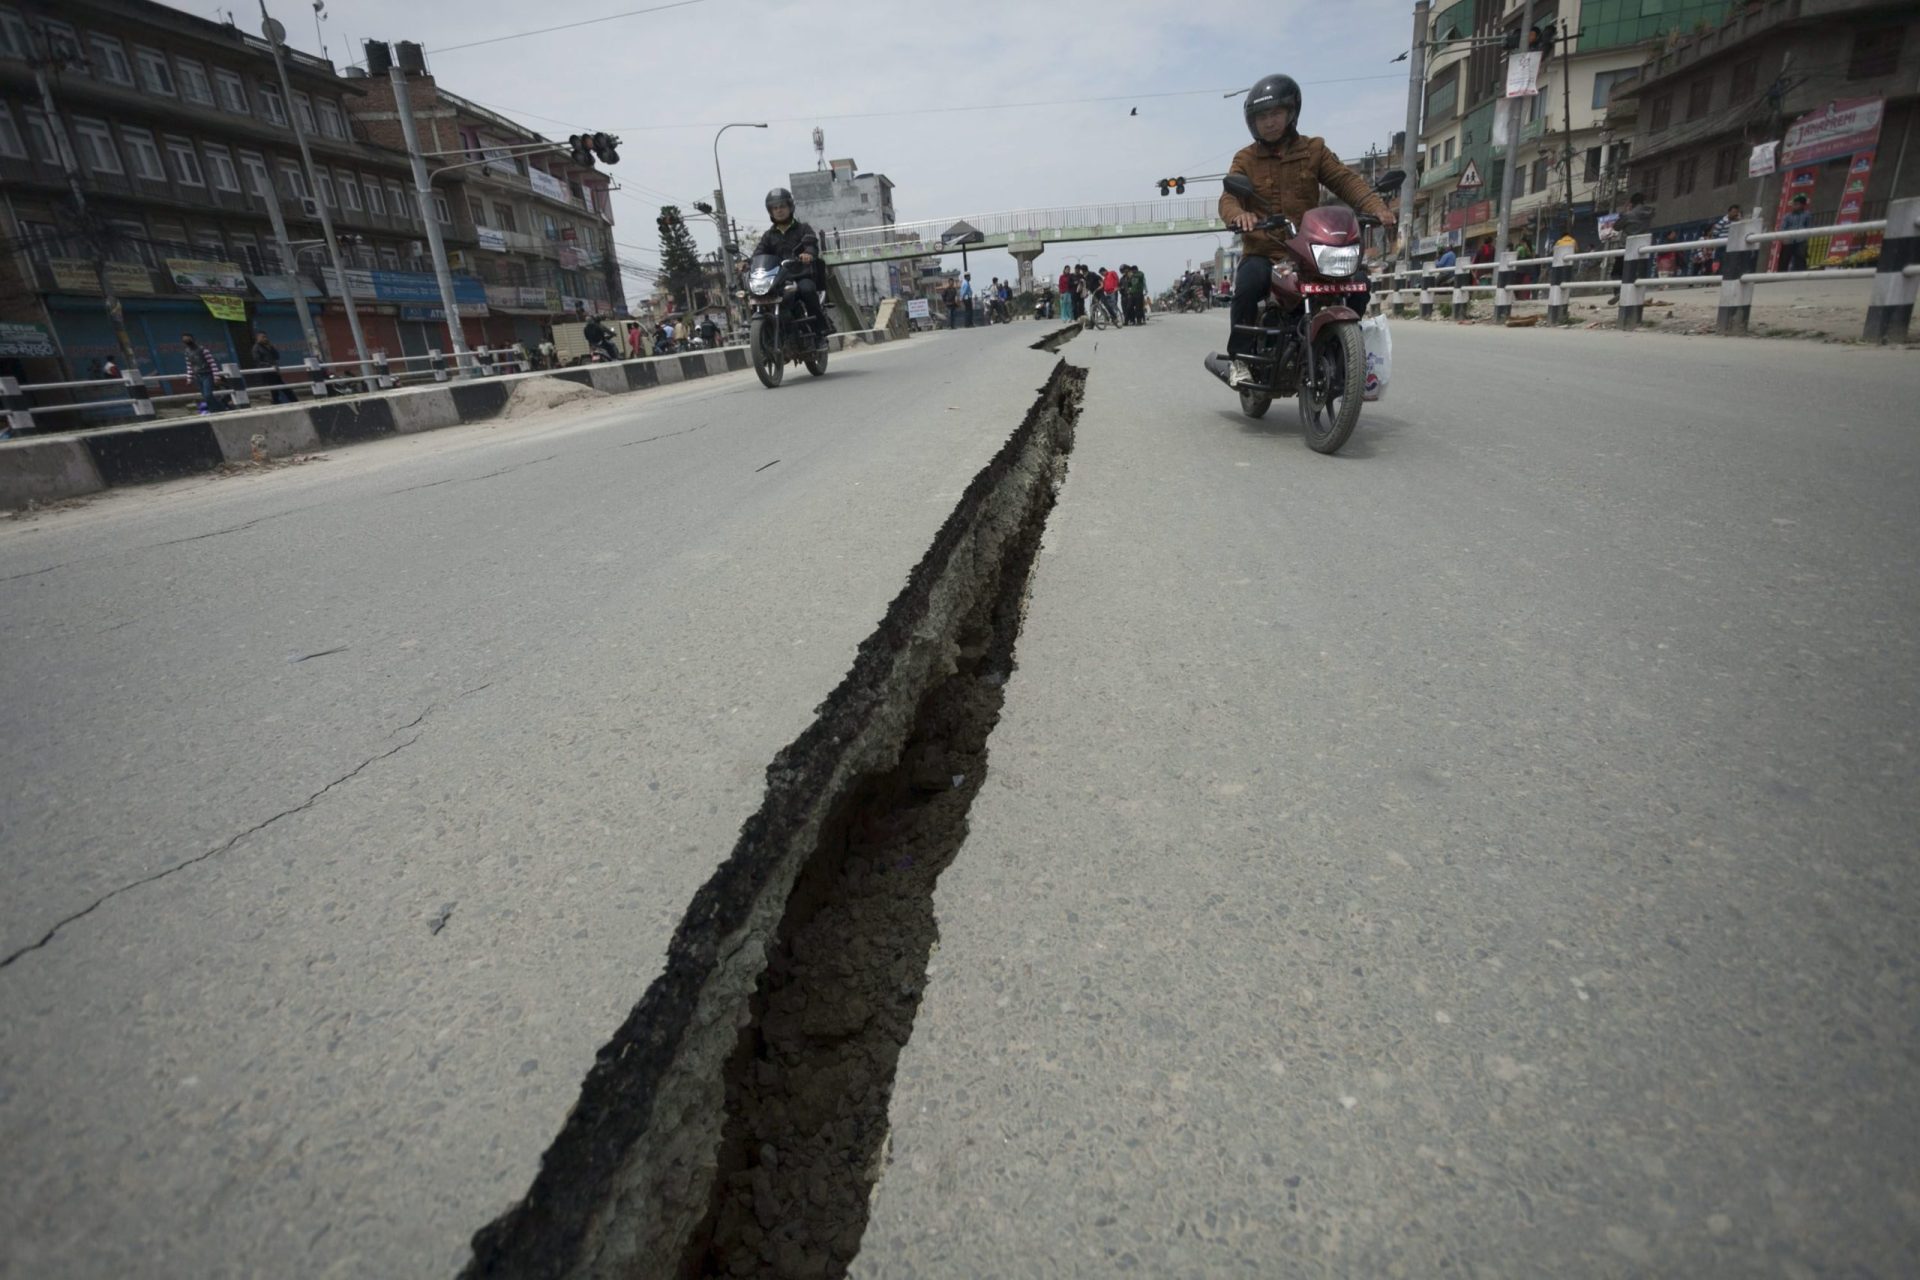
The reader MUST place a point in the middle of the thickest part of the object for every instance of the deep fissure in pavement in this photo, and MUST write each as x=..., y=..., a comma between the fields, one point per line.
x=735, y=1122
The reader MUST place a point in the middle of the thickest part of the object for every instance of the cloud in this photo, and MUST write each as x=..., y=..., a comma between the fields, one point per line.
x=883, y=79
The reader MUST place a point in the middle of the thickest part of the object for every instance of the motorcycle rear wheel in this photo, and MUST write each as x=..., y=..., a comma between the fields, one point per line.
x=765, y=345
x=1330, y=401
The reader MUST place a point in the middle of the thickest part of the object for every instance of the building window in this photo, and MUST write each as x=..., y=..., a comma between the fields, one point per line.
x=1539, y=175
x=1447, y=155
x=389, y=257
x=1699, y=98
x=303, y=110
x=1876, y=52
x=295, y=182
x=1726, y=166
x=326, y=188
x=186, y=163
x=397, y=203
x=233, y=92
x=110, y=59
x=13, y=35
x=1650, y=180
x=441, y=211
x=95, y=145
x=63, y=42
x=479, y=212
x=258, y=182
x=220, y=169
x=331, y=122
x=194, y=85
x=272, y=103
x=1660, y=114
x=349, y=192
x=376, y=203
x=12, y=145
x=156, y=73
x=143, y=157
x=210, y=244
x=1604, y=83
x=1592, y=171
x=1540, y=103
x=246, y=251
x=503, y=213
x=1684, y=174
x=1746, y=76
x=129, y=242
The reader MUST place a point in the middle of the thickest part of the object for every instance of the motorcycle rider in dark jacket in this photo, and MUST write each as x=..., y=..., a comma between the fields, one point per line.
x=788, y=237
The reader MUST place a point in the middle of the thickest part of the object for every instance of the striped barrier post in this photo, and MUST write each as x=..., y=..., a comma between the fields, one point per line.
x=438, y=363
x=1503, y=286
x=318, y=376
x=1462, y=281
x=139, y=395
x=1632, y=297
x=1426, y=294
x=237, y=397
x=1740, y=258
x=18, y=408
x=1557, y=277
x=1890, y=309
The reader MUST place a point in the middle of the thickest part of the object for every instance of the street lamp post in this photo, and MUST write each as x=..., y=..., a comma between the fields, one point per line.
x=720, y=209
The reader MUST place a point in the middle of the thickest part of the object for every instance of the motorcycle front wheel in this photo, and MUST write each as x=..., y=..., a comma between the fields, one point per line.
x=1330, y=400
x=764, y=341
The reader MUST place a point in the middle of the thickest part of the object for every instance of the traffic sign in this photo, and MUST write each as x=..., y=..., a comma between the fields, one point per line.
x=1470, y=177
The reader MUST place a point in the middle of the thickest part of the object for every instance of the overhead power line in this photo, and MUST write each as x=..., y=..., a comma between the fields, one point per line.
x=565, y=26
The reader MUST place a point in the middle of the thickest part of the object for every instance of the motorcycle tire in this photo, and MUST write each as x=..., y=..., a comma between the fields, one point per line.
x=767, y=362
x=1255, y=403
x=816, y=363
x=1330, y=402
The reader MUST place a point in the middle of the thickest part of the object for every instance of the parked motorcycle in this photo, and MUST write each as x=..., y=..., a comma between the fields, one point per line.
x=780, y=330
x=1307, y=333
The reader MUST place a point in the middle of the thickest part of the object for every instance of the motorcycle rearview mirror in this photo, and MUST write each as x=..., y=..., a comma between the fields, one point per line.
x=1390, y=181
x=1240, y=187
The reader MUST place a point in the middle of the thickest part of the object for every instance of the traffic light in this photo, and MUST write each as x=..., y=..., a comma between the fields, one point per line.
x=1510, y=40
x=1180, y=186
x=1540, y=38
x=1165, y=186
x=1173, y=184
x=603, y=147
x=580, y=147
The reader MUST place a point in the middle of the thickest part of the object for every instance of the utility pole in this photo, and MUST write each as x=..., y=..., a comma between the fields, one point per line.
x=1566, y=109
x=295, y=287
x=1416, y=92
x=276, y=36
x=403, y=107
x=1513, y=154
x=115, y=312
x=720, y=208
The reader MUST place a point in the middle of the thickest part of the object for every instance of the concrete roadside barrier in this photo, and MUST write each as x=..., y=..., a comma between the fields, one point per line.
x=41, y=469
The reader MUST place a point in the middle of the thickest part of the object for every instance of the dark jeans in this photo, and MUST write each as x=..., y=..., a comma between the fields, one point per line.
x=208, y=394
x=1249, y=291
x=968, y=304
x=1793, y=255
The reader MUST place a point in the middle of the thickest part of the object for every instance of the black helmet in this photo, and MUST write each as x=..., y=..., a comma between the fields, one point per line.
x=1272, y=91
x=782, y=196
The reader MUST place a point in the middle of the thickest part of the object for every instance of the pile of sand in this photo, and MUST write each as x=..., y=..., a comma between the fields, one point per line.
x=537, y=395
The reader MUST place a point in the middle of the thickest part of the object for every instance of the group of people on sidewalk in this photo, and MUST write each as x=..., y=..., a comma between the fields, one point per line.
x=203, y=370
x=1121, y=294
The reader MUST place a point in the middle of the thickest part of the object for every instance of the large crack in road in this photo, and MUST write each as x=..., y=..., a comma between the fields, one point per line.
x=735, y=1124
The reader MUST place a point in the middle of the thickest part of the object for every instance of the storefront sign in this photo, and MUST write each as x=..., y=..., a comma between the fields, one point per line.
x=1479, y=212
x=408, y=286
x=546, y=184
x=490, y=239
x=1841, y=128
x=225, y=306
x=1523, y=74
x=917, y=309
x=553, y=303
x=436, y=314
x=193, y=275
x=25, y=340
x=76, y=275
x=1852, y=198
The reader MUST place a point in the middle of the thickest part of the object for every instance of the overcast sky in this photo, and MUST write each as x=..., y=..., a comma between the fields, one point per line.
x=873, y=76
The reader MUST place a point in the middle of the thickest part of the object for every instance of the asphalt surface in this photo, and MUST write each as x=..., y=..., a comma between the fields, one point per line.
x=1489, y=852
x=382, y=781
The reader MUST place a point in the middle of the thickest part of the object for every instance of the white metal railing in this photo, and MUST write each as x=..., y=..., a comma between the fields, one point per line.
x=1014, y=221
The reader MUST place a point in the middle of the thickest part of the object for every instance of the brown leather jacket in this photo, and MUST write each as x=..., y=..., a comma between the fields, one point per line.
x=1288, y=175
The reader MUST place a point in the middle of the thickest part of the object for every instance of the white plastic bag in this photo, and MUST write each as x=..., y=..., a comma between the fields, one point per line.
x=1379, y=342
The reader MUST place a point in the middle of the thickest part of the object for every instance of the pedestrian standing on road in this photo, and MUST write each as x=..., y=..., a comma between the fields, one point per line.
x=1065, y=286
x=950, y=299
x=1521, y=253
x=203, y=371
x=1483, y=254
x=966, y=297
x=1110, y=293
x=1793, y=253
x=1720, y=231
x=265, y=357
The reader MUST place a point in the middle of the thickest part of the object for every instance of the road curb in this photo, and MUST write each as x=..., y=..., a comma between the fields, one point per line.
x=42, y=469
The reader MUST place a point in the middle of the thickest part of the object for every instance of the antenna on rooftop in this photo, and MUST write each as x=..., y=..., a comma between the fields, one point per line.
x=819, y=149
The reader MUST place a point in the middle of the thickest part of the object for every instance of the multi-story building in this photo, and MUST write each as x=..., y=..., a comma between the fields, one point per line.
x=534, y=228
x=837, y=198
x=182, y=134
x=1704, y=103
x=1562, y=132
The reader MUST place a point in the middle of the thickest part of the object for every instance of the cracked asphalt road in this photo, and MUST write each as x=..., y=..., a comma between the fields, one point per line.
x=307, y=959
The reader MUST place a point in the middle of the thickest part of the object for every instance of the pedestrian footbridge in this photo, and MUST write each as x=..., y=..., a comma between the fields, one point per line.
x=1021, y=232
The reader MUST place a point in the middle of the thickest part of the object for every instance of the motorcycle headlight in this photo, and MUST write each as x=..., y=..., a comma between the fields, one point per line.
x=760, y=279
x=1336, y=260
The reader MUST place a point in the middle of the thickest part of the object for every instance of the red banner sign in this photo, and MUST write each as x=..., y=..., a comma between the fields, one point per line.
x=1852, y=198
x=1480, y=212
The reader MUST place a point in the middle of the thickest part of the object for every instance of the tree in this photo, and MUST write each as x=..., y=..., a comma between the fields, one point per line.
x=679, y=259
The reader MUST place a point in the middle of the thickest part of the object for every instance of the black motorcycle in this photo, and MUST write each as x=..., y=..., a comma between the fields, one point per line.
x=780, y=331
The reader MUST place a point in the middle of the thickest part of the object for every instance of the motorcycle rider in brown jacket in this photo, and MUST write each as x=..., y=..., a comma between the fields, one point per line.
x=1287, y=170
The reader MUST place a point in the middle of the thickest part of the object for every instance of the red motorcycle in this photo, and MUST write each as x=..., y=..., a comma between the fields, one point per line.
x=1307, y=336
